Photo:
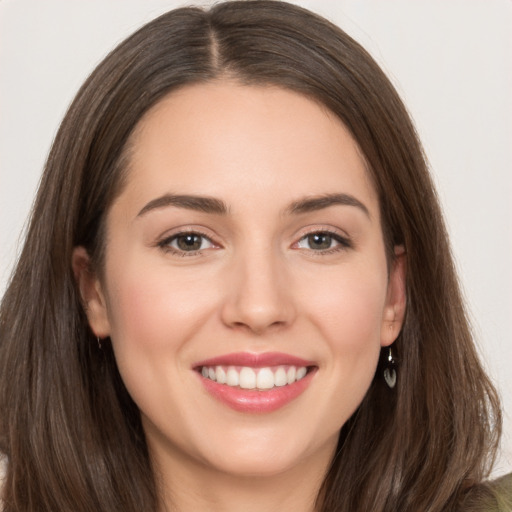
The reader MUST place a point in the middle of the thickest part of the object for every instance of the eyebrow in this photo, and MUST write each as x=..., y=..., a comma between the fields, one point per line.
x=198, y=203
x=216, y=206
x=315, y=203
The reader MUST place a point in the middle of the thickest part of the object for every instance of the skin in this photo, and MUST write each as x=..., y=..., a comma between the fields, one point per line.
x=258, y=284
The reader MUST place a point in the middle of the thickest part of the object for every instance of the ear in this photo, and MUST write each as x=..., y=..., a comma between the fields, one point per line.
x=394, y=310
x=93, y=298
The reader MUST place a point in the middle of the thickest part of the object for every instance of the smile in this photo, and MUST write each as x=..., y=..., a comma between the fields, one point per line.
x=261, y=379
x=255, y=383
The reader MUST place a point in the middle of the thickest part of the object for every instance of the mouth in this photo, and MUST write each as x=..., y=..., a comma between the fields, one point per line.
x=255, y=383
x=261, y=379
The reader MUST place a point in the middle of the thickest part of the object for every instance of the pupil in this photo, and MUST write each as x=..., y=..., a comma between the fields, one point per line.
x=319, y=241
x=189, y=242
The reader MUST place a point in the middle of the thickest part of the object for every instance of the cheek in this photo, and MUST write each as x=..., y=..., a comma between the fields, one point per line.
x=154, y=313
x=349, y=309
x=154, y=310
x=348, y=313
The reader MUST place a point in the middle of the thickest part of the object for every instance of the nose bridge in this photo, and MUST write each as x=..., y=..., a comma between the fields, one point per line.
x=257, y=295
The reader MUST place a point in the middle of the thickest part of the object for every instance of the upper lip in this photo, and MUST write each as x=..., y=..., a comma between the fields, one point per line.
x=254, y=360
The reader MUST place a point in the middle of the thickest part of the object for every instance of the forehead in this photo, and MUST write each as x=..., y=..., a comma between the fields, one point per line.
x=226, y=140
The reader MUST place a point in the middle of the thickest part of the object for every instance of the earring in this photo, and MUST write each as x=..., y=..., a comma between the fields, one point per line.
x=99, y=342
x=390, y=370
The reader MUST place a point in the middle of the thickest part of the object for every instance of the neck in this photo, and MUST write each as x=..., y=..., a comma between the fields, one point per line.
x=191, y=486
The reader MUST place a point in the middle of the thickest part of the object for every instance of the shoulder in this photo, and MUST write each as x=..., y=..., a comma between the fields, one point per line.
x=503, y=489
x=494, y=496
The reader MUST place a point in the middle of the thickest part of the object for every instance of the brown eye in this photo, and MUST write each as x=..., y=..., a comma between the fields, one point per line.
x=319, y=241
x=187, y=242
x=323, y=241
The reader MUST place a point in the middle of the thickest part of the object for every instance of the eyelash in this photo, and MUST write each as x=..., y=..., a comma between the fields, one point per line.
x=165, y=244
x=343, y=243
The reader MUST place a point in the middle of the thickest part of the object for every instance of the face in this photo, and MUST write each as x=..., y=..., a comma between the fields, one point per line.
x=246, y=289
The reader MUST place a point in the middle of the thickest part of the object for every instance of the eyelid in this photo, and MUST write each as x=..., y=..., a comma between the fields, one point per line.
x=343, y=239
x=165, y=240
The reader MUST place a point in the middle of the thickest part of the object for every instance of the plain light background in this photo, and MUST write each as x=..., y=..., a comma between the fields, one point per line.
x=451, y=60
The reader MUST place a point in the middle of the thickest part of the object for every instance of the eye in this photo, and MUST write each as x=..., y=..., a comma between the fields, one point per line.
x=322, y=241
x=187, y=242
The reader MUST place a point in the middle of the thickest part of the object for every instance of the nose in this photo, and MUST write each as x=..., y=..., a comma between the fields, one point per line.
x=259, y=297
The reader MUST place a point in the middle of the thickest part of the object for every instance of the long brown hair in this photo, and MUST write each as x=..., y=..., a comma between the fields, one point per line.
x=72, y=434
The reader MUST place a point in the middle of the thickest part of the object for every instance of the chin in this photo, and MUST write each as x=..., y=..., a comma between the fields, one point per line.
x=280, y=455
x=256, y=467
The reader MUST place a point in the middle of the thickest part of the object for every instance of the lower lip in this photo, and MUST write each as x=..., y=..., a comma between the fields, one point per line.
x=256, y=401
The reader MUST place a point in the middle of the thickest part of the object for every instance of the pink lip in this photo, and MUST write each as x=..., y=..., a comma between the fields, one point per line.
x=254, y=360
x=256, y=401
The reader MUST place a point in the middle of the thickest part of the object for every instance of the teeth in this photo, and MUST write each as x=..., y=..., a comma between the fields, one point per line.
x=220, y=375
x=290, y=374
x=265, y=379
x=254, y=378
x=232, y=377
x=247, y=378
x=280, y=377
x=301, y=373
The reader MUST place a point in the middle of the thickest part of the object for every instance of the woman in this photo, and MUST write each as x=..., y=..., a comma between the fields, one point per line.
x=237, y=291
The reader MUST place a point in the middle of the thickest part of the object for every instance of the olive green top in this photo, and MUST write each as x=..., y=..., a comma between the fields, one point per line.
x=495, y=496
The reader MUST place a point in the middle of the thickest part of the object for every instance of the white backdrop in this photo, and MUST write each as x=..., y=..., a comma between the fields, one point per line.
x=450, y=59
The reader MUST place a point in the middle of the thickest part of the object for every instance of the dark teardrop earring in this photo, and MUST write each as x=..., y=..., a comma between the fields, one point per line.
x=390, y=370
